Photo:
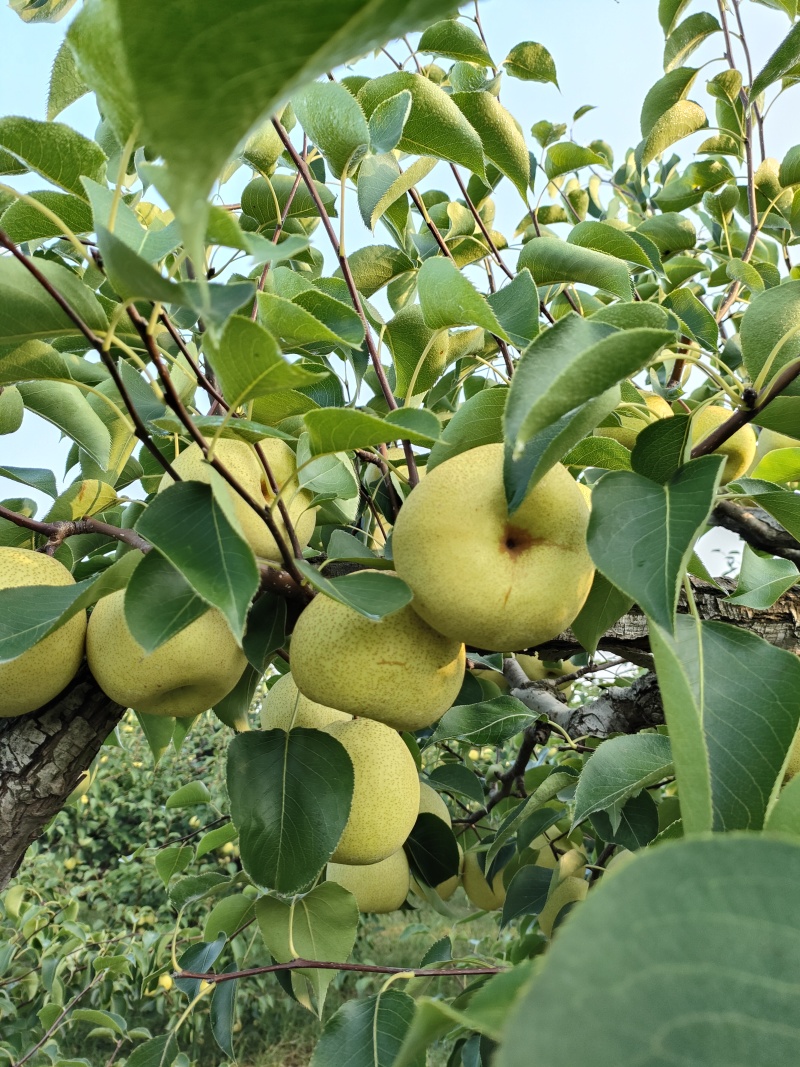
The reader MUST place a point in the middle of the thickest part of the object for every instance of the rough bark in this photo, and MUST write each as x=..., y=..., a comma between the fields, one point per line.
x=42, y=756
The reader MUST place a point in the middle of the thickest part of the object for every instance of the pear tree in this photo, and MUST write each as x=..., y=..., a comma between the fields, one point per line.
x=409, y=498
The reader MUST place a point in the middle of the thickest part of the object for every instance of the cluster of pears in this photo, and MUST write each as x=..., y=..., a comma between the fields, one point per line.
x=630, y=419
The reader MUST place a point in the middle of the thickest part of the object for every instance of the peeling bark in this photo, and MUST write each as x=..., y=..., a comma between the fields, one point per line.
x=42, y=756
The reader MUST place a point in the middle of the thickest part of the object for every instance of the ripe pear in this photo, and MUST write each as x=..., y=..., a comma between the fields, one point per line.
x=431, y=801
x=188, y=674
x=397, y=671
x=243, y=463
x=385, y=791
x=740, y=449
x=497, y=581
x=537, y=671
x=478, y=890
x=633, y=421
x=378, y=887
x=285, y=707
x=38, y=675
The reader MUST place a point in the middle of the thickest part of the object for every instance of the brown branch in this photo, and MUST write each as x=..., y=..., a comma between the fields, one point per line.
x=56, y=532
x=97, y=345
x=59, y=1021
x=202, y=379
x=325, y=965
x=434, y=230
x=756, y=530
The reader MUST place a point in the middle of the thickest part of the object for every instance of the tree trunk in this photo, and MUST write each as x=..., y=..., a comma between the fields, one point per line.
x=42, y=756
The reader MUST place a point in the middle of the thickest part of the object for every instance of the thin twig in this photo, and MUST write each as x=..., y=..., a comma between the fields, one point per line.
x=56, y=532
x=325, y=965
x=59, y=1021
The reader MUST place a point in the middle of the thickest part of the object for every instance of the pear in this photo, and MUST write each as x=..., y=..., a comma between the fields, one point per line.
x=740, y=449
x=285, y=707
x=480, y=893
x=430, y=801
x=243, y=463
x=397, y=671
x=188, y=674
x=537, y=671
x=38, y=675
x=378, y=887
x=385, y=792
x=499, y=582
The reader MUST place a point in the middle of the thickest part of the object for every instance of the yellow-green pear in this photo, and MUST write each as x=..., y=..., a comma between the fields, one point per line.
x=242, y=462
x=188, y=674
x=632, y=420
x=499, y=582
x=537, y=671
x=587, y=493
x=739, y=450
x=793, y=766
x=285, y=707
x=38, y=675
x=430, y=801
x=397, y=671
x=570, y=891
x=378, y=887
x=385, y=791
x=480, y=893
x=494, y=678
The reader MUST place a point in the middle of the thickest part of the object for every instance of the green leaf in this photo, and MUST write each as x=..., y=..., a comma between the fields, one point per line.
x=641, y=534
x=35, y=477
x=29, y=613
x=573, y=362
x=785, y=56
x=24, y=222
x=66, y=407
x=159, y=602
x=448, y=299
x=228, y=914
x=225, y=427
x=746, y=274
x=681, y=120
x=695, y=316
x=722, y=718
x=456, y=778
x=636, y=824
x=784, y=817
x=670, y=900
x=301, y=321
x=267, y=200
x=432, y=850
x=223, y=1011
x=367, y=1033
x=320, y=926
x=419, y=353
x=199, y=957
x=456, y=41
x=687, y=37
x=503, y=143
x=41, y=10
x=266, y=630
x=479, y=421
x=552, y=262
x=343, y=429
x=608, y=239
x=766, y=332
x=530, y=62
x=567, y=156
x=370, y=593
x=789, y=173
x=132, y=276
x=66, y=85
x=491, y=722
x=548, y=788
x=662, y=96
x=661, y=448
x=196, y=887
x=387, y=122
x=380, y=183
x=779, y=465
x=158, y=731
x=157, y=1052
x=762, y=580
x=212, y=840
x=527, y=892
x=188, y=795
x=229, y=73
x=374, y=266
x=27, y=312
x=173, y=860
x=189, y=528
x=248, y=363
x=516, y=306
x=602, y=452
x=335, y=123
x=782, y=505
x=95, y=1017
x=434, y=127
x=619, y=769
x=290, y=797
x=604, y=606
x=669, y=232
x=57, y=152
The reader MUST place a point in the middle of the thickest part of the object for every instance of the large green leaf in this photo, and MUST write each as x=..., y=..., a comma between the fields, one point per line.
x=434, y=127
x=666, y=92
x=604, y=605
x=27, y=311
x=24, y=222
x=29, y=613
x=732, y=704
x=159, y=602
x=321, y=925
x=290, y=797
x=530, y=61
x=573, y=362
x=57, y=152
x=489, y=723
x=367, y=1033
x=456, y=41
x=342, y=429
x=198, y=76
x=619, y=769
x=610, y=240
x=641, y=533
x=449, y=299
x=681, y=120
x=516, y=306
x=248, y=363
x=66, y=407
x=762, y=580
x=770, y=329
x=552, y=262
x=700, y=942
x=785, y=56
x=334, y=121
x=187, y=525
x=479, y=421
x=687, y=37
x=503, y=143
x=567, y=156
x=370, y=593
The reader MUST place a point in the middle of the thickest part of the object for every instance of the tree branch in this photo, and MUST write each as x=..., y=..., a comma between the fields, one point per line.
x=325, y=965
x=755, y=527
x=56, y=532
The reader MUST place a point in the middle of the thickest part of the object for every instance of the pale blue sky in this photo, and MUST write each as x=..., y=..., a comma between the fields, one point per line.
x=607, y=53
